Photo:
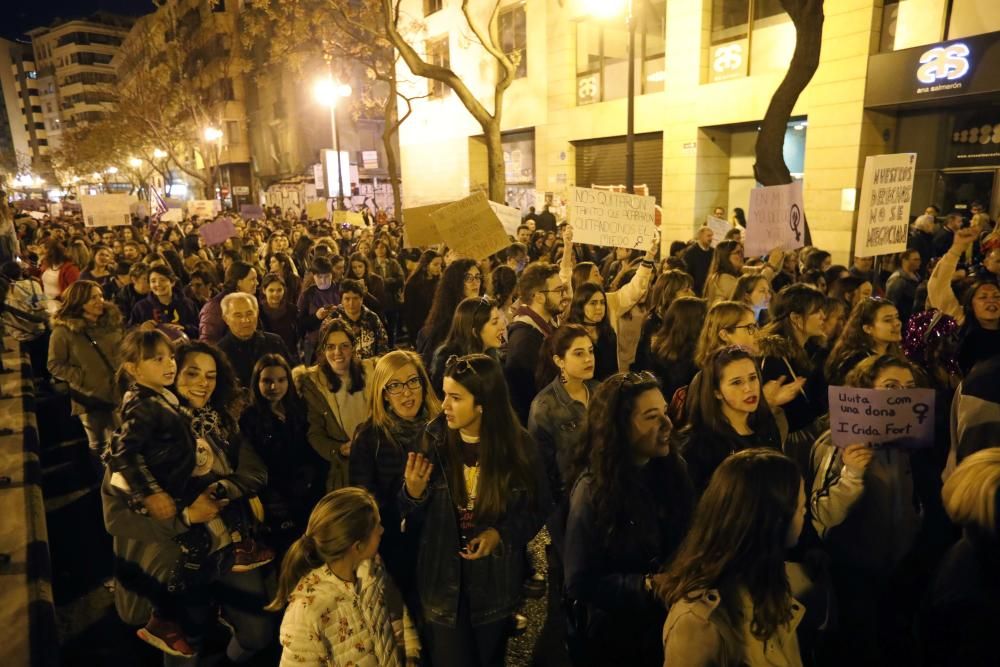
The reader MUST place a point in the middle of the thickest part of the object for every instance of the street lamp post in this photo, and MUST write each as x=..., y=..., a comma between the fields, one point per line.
x=213, y=135
x=327, y=92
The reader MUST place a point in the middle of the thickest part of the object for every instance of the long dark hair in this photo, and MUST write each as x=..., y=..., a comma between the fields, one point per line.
x=677, y=336
x=355, y=371
x=795, y=299
x=738, y=539
x=450, y=291
x=291, y=402
x=503, y=446
x=706, y=409
x=607, y=453
x=228, y=399
x=667, y=286
x=237, y=272
x=581, y=296
x=854, y=340
x=471, y=316
x=557, y=344
x=721, y=261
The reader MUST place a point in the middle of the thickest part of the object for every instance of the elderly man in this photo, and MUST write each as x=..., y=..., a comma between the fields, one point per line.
x=243, y=343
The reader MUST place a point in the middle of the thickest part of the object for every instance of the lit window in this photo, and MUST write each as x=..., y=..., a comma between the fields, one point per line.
x=514, y=38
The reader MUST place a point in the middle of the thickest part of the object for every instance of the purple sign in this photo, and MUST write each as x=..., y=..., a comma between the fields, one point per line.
x=217, y=232
x=900, y=417
x=251, y=212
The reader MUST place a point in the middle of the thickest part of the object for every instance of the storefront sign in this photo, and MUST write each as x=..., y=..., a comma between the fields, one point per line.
x=901, y=417
x=884, y=214
x=935, y=71
x=613, y=219
x=775, y=219
x=728, y=61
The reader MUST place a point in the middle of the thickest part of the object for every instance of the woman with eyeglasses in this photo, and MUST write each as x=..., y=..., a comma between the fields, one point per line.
x=461, y=280
x=628, y=512
x=479, y=493
x=729, y=595
x=727, y=413
x=864, y=508
x=671, y=354
x=475, y=329
x=337, y=395
x=873, y=328
x=402, y=404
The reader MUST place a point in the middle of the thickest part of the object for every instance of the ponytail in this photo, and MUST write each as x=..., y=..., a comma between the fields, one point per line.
x=300, y=559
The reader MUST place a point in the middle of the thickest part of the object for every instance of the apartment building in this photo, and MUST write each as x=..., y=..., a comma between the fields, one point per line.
x=705, y=73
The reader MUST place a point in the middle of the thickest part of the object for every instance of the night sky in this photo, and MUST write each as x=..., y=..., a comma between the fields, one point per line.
x=22, y=15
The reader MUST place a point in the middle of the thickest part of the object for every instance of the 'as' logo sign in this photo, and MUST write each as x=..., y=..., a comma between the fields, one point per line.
x=944, y=62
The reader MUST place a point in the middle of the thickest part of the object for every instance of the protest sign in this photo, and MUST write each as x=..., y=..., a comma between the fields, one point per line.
x=139, y=209
x=510, y=217
x=719, y=228
x=903, y=417
x=172, y=215
x=203, y=208
x=615, y=219
x=884, y=210
x=317, y=210
x=217, y=232
x=775, y=220
x=251, y=212
x=419, y=230
x=106, y=210
x=348, y=218
x=471, y=228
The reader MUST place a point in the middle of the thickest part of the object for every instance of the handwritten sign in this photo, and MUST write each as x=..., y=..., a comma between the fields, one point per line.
x=203, y=208
x=614, y=219
x=775, y=219
x=419, y=230
x=251, y=212
x=349, y=218
x=509, y=216
x=106, y=210
x=317, y=210
x=471, y=228
x=719, y=228
x=884, y=211
x=217, y=232
x=903, y=417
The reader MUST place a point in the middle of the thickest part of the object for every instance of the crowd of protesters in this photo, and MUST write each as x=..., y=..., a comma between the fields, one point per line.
x=320, y=437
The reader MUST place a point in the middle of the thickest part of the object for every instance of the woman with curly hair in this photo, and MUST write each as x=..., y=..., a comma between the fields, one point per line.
x=729, y=596
x=873, y=328
x=628, y=511
x=461, y=280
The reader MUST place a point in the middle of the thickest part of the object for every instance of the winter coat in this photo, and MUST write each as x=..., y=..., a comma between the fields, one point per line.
x=326, y=432
x=491, y=585
x=699, y=633
x=392, y=276
x=244, y=354
x=211, y=326
x=85, y=357
x=901, y=289
x=524, y=344
x=778, y=359
x=284, y=322
x=371, y=339
x=181, y=310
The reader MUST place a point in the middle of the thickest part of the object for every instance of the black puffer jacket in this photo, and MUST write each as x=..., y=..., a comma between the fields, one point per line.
x=492, y=585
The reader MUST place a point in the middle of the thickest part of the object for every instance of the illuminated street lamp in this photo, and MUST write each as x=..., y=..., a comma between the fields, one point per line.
x=327, y=92
x=134, y=162
x=608, y=9
x=213, y=135
x=159, y=154
x=111, y=170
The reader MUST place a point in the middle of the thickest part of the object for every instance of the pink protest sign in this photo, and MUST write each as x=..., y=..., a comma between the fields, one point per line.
x=217, y=232
x=900, y=417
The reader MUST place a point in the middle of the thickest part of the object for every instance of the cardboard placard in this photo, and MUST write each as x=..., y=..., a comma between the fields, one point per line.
x=719, y=228
x=471, y=228
x=140, y=209
x=317, y=210
x=776, y=219
x=614, y=219
x=173, y=215
x=348, y=218
x=251, y=212
x=106, y=210
x=902, y=417
x=509, y=216
x=884, y=211
x=203, y=208
x=419, y=230
x=217, y=232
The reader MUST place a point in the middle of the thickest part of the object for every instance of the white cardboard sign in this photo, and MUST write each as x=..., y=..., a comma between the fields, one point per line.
x=510, y=217
x=719, y=228
x=613, y=219
x=107, y=210
x=776, y=219
x=884, y=211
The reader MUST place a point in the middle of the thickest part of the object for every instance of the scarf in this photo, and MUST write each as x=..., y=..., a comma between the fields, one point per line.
x=406, y=433
x=546, y=328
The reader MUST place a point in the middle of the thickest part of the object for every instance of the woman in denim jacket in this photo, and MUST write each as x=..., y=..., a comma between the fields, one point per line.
x=479, y=492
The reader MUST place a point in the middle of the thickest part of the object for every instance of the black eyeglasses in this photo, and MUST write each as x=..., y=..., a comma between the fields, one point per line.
x=473, y=277
x=561, y=289
x=397, y=388
x=751, y=328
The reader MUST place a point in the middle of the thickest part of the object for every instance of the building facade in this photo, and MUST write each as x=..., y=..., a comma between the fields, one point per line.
x=705, y=74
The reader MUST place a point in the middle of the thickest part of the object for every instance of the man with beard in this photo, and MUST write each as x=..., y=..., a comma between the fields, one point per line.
x=543, y=297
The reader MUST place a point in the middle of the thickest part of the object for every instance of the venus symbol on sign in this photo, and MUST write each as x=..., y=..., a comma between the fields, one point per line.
x=793, y=221
x=921, y=409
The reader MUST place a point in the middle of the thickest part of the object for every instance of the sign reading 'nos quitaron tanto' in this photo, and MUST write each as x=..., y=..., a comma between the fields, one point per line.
x=903, y=417
x=884, y=212
x=613, y=219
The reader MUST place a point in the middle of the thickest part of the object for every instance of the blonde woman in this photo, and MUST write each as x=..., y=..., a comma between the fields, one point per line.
x=402, y=404
x=342, y=607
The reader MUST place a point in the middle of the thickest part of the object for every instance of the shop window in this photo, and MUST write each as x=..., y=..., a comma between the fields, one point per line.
x=431, y=6
x=602, y=56
x=972, y=17
x=738, y=24
x=514, y=38
x=437, y=54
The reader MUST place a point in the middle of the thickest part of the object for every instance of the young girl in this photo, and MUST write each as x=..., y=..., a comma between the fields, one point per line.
x=343, y=608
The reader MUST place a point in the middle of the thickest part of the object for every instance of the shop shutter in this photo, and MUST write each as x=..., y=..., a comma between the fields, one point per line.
x=602, y=162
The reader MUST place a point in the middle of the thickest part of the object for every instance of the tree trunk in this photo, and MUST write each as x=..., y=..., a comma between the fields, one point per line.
x=495, y=164
x=391, y=158
x=770, y=167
